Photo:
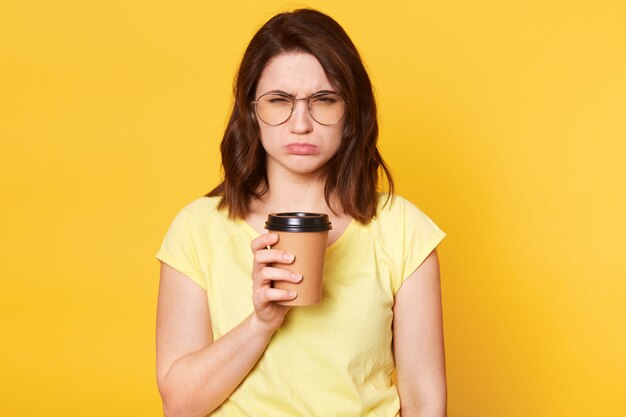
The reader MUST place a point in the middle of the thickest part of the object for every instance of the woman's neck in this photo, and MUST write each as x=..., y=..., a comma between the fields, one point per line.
x=286, y=197
x=292, y=192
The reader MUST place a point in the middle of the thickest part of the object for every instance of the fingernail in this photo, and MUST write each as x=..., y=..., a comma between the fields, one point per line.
x=297, y=277
x=293, y=294
x=288, y=256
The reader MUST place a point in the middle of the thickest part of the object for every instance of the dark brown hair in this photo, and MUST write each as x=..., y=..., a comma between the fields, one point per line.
x=352, y=174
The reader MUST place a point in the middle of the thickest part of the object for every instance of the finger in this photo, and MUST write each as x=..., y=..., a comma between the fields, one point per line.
x=264, y=257
x=279, y=274
x=263, y=241
x=266, y=275
x=268, y=295
x=270, y=256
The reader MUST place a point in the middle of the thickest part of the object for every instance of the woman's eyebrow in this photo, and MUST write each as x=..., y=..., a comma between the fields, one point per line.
x=284, y=93
x=279, y=92
x=325, y=92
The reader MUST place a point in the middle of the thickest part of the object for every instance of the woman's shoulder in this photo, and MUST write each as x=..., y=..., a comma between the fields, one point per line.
x=203, y=204
x=204, y=210
x=391, y=206
x=206, y=225
x=397, y=212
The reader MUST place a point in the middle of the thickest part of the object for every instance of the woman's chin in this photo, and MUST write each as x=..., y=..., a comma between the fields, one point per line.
x=299, y=168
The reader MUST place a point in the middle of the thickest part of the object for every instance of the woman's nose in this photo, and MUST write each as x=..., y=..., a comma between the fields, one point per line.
x=300, y=120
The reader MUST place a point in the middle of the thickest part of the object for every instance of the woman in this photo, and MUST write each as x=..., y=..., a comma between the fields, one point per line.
x=301, y=137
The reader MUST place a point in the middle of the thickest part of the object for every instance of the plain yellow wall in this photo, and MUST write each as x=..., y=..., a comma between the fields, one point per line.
x=505, y=121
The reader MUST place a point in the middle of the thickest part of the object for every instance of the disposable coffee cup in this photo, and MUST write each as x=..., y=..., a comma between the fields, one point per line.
x=305, y=236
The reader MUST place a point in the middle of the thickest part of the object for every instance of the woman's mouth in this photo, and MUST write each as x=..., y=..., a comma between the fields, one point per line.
x=301, y=149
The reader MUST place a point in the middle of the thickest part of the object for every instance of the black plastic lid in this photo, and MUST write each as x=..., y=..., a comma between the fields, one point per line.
x=298, y=222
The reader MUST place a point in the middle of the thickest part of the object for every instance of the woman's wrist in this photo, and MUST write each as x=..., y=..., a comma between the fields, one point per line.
x=261, y=327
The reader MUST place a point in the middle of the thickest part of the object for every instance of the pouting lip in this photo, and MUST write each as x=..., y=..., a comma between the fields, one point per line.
x=301, y=148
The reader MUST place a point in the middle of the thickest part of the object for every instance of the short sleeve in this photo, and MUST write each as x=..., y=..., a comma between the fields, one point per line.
x=178, y=249
x=420, y=236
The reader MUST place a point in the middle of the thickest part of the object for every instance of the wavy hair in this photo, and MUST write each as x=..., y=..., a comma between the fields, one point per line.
x=352, y=175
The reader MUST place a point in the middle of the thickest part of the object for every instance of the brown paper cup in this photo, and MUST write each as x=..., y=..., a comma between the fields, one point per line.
x=304, y=235
x=309, y=249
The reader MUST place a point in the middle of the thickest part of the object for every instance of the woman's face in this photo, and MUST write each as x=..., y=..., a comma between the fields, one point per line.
x=300, y=145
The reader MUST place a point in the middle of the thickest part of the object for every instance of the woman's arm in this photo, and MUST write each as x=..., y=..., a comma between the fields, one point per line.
x=418, y=343
x=194, y=374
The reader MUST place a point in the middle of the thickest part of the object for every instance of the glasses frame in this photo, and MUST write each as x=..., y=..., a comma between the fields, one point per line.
x=293, y=100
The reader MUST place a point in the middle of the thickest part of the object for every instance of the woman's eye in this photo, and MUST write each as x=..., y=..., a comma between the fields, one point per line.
x=326, y=99
x=279, y=100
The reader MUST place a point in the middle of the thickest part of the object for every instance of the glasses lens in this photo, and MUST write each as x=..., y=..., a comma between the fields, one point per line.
x=327, y=109
x=274, y=109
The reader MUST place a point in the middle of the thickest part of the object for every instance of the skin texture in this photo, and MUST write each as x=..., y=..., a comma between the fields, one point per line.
x=191, y=375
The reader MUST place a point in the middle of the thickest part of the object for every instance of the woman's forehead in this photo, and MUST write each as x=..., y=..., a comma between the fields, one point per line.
x=295, y=73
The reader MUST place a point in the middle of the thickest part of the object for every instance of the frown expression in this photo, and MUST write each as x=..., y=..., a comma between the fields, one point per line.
x=300, y=145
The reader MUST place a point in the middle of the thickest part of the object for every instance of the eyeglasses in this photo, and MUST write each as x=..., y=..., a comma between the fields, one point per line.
x=326, y=108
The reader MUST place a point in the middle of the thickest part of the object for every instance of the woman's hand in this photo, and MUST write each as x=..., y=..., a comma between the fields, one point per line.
x=266, y=311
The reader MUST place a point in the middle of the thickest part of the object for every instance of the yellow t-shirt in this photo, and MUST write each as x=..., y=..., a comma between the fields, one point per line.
x=332, y=359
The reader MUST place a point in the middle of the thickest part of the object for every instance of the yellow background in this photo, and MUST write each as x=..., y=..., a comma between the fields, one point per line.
x=505, y=121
